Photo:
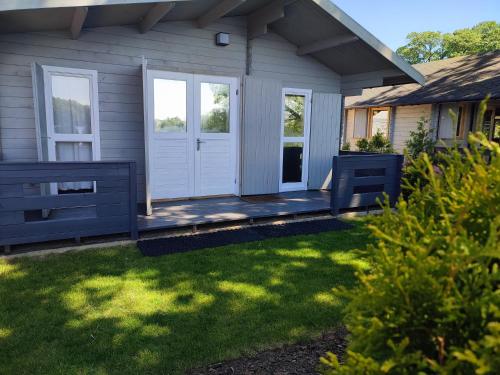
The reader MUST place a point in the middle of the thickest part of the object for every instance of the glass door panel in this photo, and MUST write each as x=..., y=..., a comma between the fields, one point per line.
x=295, y=139
x=170, y=114
x=215, y=115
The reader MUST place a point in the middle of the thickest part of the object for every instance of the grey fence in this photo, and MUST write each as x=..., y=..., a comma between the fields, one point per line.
x=46, y=201
x=359, y=179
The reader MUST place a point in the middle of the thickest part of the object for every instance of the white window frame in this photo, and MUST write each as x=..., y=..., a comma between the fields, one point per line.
x=52, y=136
x=296, y=186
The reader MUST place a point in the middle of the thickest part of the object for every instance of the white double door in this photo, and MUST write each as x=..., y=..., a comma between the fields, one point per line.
x=192, y=135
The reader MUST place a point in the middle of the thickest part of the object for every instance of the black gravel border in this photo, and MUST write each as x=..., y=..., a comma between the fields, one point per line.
x=181, y=244
x=297, y=359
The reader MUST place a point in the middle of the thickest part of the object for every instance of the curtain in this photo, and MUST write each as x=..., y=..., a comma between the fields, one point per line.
x=448, y=124
x=74, y=151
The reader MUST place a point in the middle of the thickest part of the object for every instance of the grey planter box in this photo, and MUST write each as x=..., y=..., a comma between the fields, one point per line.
x=359, y=179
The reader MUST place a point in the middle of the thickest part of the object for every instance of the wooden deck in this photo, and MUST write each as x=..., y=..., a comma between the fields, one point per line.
x=193, y=212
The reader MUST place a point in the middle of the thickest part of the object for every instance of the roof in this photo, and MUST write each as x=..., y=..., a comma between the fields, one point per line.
x=465, y=78
x=317, y=27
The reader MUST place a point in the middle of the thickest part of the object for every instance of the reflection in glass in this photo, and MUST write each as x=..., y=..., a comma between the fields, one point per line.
x=292, y=161
x=294, y=115
x=71, y=104
x=214, y=108
x=380, y=121
x=74, y=151
x=170, y=105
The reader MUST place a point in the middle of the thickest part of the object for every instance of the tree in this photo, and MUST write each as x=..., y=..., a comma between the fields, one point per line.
x=428, y=46
x=421, y=140
x=483, y=37
x=422, y=47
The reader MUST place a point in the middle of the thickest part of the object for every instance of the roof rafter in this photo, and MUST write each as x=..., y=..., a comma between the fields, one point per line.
x=218, y=11
x=154, y=15
x=321, y=45
x=259, y=20
x=79, y=17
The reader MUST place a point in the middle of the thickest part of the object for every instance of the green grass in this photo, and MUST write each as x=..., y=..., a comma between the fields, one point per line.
x=112, y=311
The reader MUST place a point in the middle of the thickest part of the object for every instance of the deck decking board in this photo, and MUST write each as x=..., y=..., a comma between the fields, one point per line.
x=175, y=214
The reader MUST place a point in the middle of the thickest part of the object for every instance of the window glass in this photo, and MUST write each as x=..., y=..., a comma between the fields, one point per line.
x=74, y=151
x=292, y=161
x=294, y=115
x=360, y=123
x=380, y=121
x=496, y=124
x=71, y=104
x=170, y=106
x=449, y=120
x=215, y=107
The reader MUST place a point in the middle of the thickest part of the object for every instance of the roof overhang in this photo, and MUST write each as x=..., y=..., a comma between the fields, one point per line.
x=318, y=28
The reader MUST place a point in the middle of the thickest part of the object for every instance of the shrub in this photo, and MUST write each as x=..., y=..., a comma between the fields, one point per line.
x=378, y=143
x=431, y=303
x=420, y=140
x=346, y=146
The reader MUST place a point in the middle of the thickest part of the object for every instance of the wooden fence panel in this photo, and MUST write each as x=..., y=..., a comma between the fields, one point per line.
x=29, y=217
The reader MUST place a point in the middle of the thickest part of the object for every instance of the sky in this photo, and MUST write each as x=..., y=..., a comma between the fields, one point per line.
x=391, y=20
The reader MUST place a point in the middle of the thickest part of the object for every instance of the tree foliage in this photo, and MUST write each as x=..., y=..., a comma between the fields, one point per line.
x=431, y=302
x=428, y=46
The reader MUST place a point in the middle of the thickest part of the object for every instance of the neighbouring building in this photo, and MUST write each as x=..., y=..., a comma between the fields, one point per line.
x=449, y=102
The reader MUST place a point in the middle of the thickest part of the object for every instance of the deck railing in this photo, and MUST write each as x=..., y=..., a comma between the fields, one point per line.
x=45, y=201
x=360, y=178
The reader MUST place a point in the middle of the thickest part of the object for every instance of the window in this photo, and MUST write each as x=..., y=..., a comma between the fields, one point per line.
x=491, y=124
x=214, y=107
x=452, y=121
x=72, y=119
x=378, y=121
x=367, y=122
x=360, y=123
x=170, y=107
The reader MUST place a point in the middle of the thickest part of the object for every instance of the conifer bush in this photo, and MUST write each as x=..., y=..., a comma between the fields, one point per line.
x=430, y=303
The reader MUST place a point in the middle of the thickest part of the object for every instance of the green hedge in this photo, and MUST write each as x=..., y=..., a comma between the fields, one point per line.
x=431, y=304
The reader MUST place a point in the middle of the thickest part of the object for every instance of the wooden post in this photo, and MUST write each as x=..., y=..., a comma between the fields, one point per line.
x=335, y=186
x=134, y=231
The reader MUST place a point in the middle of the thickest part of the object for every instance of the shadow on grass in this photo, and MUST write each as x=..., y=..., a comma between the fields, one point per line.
x=114, y=311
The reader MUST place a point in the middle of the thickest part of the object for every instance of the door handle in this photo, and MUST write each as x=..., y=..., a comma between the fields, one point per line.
x=198, y=142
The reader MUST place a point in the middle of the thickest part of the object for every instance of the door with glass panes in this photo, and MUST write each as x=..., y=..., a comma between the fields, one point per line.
x=72, y=118
x=192, y=135
x=294, y=145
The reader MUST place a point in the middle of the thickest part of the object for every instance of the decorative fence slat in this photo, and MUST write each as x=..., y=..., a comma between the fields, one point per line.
x=359, y=179
x=110, y=208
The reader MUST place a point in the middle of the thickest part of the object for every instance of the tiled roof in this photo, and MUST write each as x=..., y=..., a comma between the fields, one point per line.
x=465, y=78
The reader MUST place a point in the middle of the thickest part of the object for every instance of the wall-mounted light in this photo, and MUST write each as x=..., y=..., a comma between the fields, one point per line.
x=222, y=39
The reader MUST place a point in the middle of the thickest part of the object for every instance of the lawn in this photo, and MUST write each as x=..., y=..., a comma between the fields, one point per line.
x=113, y=311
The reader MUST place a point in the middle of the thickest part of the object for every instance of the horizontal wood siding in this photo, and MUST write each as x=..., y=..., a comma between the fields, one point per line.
x=117, y=54
x=406, y=118
x=274, y=57
x=324, y=139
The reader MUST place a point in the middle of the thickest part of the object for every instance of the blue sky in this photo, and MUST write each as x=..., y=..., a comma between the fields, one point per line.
x=391, y=20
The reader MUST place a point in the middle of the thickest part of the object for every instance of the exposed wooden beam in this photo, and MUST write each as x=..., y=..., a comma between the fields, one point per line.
x=154, y=15
x=79, y=17
x=321, y=45
x=218, y=11
x=259, y=20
